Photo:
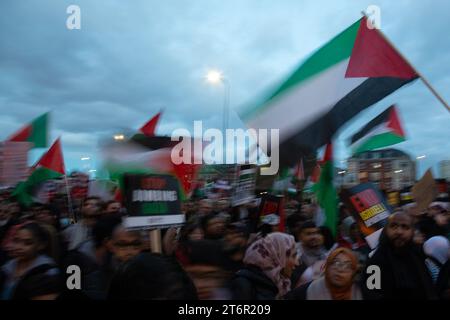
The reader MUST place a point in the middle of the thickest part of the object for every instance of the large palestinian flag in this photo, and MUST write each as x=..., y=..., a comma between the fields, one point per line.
x=385, y=130
x=353, y=71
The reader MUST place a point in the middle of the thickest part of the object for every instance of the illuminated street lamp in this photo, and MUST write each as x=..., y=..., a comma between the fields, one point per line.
x=119, y=137
x=216, y=77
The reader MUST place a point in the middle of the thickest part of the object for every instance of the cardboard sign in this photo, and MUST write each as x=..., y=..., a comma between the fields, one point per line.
x=424, y=191
x=244, y=191
x=271, y=204
x=369, y=209
x=152, y=201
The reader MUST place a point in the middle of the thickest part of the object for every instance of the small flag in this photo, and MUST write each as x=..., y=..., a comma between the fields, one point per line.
x=35, y=132
x=149, y=128
x=300, y=171
x=326, y=192
x=49, y=166
x=384, y=130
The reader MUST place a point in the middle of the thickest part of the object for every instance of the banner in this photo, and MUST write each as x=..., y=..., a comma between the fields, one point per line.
x=369, y=209
x=272, y=205
x=152, y=201
x=13, y=162
x=244, y=192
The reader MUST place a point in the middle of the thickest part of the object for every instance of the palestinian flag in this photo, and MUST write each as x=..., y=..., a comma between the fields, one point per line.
x=50, y=166
x=385, y=130
x=351, y=72
x=149, y=128
x=35, y=132
x=326, y=192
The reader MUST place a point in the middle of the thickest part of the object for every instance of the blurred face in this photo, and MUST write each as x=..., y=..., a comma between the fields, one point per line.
x=91, y=208
x=126, y=245
x=399, y=229
x=205, y=207
x=311, y=238
x=216, y=227
x=45, y=216
x=340, y=271
x=419, y=237
x=25, y=246
x=207, y=279
x=14, y=208
x=291, y=263
x=113, y=207
x=4, y=212
x=196, y=234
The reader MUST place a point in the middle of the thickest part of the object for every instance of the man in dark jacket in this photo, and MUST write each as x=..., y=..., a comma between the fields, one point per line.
x=401, y=263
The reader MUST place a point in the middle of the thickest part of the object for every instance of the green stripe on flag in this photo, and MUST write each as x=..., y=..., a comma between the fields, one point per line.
x=379, y=141
x=335, y=51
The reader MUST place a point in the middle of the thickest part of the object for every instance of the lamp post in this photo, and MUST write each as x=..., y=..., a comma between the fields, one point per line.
x=418, y=163
x=216, y=77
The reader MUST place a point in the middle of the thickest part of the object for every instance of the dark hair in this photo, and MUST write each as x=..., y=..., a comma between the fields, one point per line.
x=150, y=276
x=107, y=203
x=307, y=225
x=93, y=198
x=104, y=228
x=39, y=234
x=327, y=236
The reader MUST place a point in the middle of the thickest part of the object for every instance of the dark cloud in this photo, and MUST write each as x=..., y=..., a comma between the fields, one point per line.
x=130, y=59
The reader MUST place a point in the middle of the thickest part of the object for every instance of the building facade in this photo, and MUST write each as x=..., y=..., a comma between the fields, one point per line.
x=444, y=169
x=389, y=169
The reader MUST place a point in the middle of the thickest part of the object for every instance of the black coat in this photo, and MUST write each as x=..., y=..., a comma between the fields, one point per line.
x=404, y=275
x=251, y=283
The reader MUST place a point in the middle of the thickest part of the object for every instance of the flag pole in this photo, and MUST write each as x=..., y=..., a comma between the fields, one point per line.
x=69, y=199
x=421, y=76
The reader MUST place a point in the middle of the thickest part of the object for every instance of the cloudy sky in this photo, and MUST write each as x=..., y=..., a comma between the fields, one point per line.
x=132, y=58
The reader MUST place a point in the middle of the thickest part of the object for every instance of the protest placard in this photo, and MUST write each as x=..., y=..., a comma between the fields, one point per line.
x=244, y=191
x=369, y=208
x=272, y=205
x=424, y=191
x=152, y=201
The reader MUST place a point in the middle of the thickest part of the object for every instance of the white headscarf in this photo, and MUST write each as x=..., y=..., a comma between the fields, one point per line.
x=437, y=247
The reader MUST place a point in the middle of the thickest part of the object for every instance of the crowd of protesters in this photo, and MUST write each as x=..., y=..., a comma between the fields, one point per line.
x=221, y=252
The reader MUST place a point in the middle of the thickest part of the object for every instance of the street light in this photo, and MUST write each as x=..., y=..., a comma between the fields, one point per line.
x=215, y=77
x=119, y=137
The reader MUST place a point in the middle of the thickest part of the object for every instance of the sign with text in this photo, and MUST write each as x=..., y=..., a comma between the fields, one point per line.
x=244, y=191
x=152, y=201
x=369, y=208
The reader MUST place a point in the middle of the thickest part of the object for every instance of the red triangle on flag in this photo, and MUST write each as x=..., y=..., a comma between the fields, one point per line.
x=374, y=57
x=53, y=158
x=394, y=123
x=328, y=156
x=150, y=127
x=22, y=135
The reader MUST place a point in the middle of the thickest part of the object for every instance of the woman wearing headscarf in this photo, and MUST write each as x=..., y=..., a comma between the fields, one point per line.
x=269, y=263
x=337, y=283
x=437, y=251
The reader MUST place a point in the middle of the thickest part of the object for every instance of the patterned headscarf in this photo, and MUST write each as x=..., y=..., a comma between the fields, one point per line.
x=270, y=254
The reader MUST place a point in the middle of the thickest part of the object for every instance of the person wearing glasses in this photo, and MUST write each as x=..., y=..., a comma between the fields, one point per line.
x=337, y=282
